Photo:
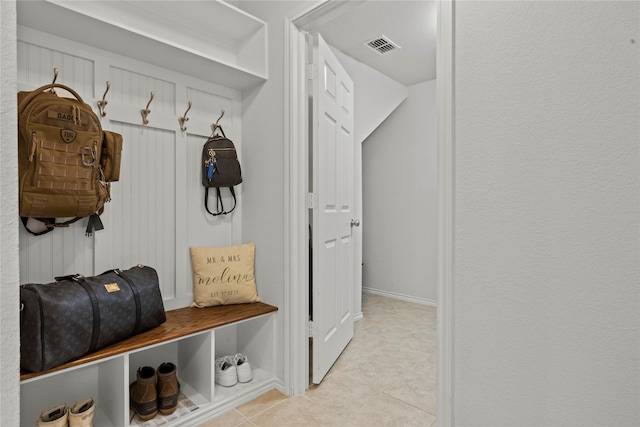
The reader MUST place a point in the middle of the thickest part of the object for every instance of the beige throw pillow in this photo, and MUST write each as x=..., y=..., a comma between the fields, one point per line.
x=223, y=275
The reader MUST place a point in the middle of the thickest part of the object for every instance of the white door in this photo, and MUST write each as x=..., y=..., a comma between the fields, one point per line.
x=333, y=254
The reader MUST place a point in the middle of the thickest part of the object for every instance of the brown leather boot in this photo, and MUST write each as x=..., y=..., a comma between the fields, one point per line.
x=168, y=388
x=81, y=414
x=143, y=394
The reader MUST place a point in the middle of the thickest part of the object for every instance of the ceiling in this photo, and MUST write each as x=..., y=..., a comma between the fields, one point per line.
x=410, y=24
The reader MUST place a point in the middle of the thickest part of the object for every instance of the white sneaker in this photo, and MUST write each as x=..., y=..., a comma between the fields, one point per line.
x=226, y=371
x=243, y=368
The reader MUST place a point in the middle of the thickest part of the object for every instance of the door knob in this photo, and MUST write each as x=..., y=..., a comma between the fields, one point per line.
x=355, y=223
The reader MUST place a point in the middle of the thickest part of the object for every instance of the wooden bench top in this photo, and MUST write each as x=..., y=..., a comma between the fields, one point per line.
x=180, y=323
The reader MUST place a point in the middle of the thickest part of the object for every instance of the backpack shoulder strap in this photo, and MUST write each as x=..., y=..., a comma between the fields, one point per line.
x=219, y=205
x=40, y=226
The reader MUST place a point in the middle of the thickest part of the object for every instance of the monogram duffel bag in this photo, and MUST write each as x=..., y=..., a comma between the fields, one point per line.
x=78, y=315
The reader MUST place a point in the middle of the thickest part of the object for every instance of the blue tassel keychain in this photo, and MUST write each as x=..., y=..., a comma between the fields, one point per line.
x=210, y=169
x=211, y=164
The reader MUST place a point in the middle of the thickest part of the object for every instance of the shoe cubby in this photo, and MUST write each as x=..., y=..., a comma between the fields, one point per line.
x=254, y=339
x=103, y=381
x=192, y=339
x=192, y=357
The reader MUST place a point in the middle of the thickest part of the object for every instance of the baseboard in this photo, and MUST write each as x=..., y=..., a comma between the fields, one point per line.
x=402, y=297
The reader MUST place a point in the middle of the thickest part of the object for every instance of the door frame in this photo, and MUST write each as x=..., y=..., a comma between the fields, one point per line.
x=296, y=182
x=296, y=174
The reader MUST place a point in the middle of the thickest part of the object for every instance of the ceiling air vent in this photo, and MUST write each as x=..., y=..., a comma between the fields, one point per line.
x=382, y=45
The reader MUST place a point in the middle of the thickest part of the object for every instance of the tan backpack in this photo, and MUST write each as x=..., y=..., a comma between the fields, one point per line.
x=65, y=160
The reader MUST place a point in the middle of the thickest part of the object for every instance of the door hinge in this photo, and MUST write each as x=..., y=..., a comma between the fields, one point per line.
x=312, y=200
x=312, y=71
x=311, y=330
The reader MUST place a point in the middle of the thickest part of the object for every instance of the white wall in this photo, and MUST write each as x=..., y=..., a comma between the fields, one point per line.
x=263, y=167
x=400, y=200
x=376, y=95
x=9, y=276
x=546, y=266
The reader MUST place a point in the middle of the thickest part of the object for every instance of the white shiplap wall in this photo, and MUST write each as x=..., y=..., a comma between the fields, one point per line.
x=157, y=209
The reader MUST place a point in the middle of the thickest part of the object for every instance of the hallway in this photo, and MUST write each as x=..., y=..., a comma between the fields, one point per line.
x=385, y=377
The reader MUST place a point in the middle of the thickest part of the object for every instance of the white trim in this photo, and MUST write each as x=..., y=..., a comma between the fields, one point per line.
x=296, y=172
x=323, y=11
x=402, y=297
x=296, y=234
x=296, y=247
x=446, y=206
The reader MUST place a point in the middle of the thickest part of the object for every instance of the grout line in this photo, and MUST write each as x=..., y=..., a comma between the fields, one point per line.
x=267, y=408
x=242, y=415
x=407, y=403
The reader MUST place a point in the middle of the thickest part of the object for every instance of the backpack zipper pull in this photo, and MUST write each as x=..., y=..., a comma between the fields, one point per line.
x=211, y=164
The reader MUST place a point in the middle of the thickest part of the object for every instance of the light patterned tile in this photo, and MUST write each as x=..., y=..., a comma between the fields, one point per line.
x=373, y=338
x=416, y=391
x=229, y=419
x=359, y=325
x=369, y=300
x=261, y=403
x=381, y=410
x=297, y=411
x=343, y=394
x=376, y=369
x=385, y=377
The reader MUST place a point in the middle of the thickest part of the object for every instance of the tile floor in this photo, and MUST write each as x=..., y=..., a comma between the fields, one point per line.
x=385, y=377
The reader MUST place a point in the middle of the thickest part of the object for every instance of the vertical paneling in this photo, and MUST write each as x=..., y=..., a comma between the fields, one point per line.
x=142, y=215
x=202, y=228
x=157, y=208
x=36, y=64
x=134, y=89
x=58, y=253
x=207, y=107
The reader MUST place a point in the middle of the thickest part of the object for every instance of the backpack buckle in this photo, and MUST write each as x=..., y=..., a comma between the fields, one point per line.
x=86, y=152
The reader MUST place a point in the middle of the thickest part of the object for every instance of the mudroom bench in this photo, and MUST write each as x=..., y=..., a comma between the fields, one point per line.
x=192, y=338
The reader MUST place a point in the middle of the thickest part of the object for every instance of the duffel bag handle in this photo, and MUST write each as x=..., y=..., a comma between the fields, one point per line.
x=36, y=92
x=75, y=277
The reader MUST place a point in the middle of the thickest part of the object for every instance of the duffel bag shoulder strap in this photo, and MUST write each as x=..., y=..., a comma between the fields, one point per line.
x=79, y=279
x=136, y=297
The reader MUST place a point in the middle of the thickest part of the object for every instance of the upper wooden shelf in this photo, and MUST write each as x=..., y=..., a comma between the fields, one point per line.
x=180, y=323
x=211, y=40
